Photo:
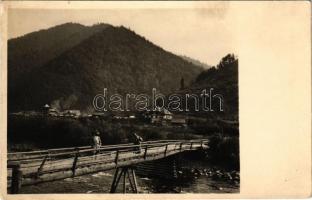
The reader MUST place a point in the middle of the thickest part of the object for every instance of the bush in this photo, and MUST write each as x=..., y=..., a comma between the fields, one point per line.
x=224, y=150
x=152, y=135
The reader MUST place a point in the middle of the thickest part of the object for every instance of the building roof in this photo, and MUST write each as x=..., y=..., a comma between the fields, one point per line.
x=178, y=120
x=166, y=112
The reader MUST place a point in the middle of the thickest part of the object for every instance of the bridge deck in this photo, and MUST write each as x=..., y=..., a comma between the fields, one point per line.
x=54, y=164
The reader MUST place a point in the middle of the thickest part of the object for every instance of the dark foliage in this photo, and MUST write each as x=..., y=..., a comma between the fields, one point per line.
x=224, y=79
x=224, y=151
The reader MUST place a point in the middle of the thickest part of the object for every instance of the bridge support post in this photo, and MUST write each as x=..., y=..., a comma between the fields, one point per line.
x=126, y=172
x=41, y=166
x=75, y=162
x=134, y=180
x=17, y=174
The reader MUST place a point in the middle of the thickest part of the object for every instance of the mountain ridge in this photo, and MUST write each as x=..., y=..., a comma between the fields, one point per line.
x=196, y=62
x=112, y=57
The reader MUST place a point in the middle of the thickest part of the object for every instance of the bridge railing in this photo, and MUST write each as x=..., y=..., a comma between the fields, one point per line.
x=33, y=155
x=29, y=154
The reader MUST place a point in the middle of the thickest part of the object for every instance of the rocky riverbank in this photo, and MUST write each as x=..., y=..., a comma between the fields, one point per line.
x=232, y=177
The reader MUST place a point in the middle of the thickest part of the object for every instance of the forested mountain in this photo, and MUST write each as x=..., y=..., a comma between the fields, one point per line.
x=223, y=80
x=69, y=64
x=35, y=49
x=196, y=62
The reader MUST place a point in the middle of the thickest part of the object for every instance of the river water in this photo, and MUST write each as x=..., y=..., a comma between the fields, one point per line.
x=100, y=183
x=210, y=181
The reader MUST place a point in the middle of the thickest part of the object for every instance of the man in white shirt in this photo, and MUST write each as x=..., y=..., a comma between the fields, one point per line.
x=97, y=143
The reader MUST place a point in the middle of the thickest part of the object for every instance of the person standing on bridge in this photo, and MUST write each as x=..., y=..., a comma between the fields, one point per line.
x=137, y=141
x=97, y=143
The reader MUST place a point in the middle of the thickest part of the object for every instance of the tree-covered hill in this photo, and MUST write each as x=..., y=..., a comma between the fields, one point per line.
x=71, y=63
x=223, y=80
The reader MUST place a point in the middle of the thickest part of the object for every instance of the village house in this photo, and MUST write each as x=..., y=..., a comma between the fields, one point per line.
x=50, y=111
x=100, y=115
x=179, y=120
x=160, y=117
x=47, y=110
x=72, y=113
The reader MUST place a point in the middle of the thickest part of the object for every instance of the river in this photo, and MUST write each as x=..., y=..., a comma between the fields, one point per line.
x=204, y=179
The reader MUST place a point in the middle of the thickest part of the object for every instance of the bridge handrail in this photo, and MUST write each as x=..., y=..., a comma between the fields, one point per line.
x=129, y=146
x=81, y=147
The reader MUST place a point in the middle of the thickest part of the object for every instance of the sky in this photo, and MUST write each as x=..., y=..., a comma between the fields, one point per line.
x=200, y=33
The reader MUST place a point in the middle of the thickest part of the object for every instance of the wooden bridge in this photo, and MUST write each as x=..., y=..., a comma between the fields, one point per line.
x=28, y=168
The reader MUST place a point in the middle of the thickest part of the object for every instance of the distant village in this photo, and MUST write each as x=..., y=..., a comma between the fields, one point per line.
x=160, y=117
